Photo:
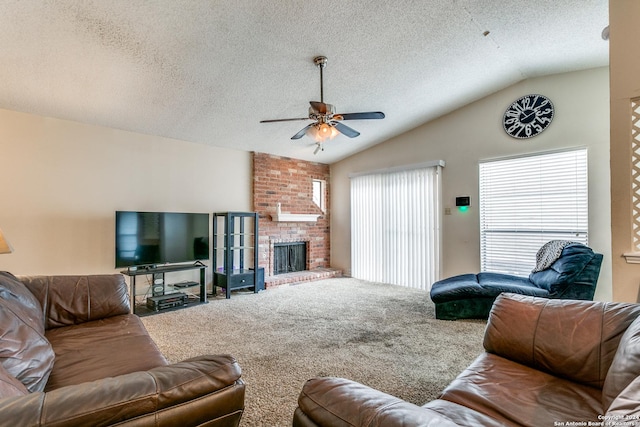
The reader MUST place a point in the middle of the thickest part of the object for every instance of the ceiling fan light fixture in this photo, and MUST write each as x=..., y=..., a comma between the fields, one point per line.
x=321, y=132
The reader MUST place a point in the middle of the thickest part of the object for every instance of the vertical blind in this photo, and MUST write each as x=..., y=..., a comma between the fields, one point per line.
x=527, y=201
x=395, y=227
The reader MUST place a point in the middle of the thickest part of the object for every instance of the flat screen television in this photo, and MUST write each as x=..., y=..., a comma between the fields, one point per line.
x=152, y=238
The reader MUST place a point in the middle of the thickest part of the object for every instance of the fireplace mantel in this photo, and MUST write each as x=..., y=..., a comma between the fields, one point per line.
x=286, y=217
x=280, y=216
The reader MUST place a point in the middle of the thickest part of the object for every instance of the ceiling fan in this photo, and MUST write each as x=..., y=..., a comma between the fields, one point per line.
x=326, y=123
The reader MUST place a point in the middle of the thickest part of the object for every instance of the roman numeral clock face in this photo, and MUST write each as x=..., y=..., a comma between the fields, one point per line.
x=528, y=116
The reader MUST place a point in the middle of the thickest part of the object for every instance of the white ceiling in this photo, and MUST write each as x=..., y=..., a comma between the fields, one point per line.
x=209, y=71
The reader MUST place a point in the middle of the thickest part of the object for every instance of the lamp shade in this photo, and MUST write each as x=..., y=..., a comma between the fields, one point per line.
x=5, y=246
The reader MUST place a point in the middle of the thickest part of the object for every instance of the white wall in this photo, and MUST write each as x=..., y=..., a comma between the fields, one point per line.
x=61, y=183
x=475, y=133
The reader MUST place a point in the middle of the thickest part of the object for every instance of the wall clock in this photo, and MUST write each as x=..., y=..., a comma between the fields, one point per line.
x=527, y=116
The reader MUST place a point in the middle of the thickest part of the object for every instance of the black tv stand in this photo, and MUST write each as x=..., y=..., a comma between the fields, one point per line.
x=158, y=274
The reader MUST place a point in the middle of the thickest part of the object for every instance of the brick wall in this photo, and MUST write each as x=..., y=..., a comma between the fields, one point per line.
x=289, y=182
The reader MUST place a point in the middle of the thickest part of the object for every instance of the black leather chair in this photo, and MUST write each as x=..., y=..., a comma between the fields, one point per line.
x=573, y=275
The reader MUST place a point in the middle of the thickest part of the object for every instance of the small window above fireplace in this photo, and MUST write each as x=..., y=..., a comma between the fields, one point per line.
x=319, y=193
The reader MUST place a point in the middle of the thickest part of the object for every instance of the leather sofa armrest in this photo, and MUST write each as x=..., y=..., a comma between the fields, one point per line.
x=568, y=338
x=188, y=393
x=338, y=402
x=70, y=300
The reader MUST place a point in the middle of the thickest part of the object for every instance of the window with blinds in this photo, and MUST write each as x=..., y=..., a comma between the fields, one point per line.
x=527, y=201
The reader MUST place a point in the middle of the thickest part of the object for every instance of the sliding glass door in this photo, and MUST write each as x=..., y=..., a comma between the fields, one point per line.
x=395, y=226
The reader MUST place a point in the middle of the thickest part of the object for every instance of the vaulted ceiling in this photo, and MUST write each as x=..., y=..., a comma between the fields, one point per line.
x=209, y=71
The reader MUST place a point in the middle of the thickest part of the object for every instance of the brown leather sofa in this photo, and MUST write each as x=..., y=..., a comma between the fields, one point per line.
x=71, y=354
x=547, y=363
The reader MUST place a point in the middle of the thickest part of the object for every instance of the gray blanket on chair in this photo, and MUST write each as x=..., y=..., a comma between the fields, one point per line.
x=549, y=253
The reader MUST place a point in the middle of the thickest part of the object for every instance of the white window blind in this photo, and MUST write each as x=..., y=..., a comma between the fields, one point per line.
x=527, y=201
x=395, y=227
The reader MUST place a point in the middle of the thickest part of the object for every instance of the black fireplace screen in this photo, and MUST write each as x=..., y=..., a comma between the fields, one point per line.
x=289, y=257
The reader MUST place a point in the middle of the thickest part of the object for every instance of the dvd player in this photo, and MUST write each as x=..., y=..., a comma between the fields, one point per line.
x=163, y=302
x=185, y=284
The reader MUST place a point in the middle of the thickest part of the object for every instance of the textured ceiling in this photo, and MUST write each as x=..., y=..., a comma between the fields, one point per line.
x=209, y=71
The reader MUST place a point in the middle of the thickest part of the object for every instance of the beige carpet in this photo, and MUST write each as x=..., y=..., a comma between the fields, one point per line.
x=381, y=335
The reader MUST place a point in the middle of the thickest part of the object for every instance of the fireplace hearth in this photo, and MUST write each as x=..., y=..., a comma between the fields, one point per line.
x=289, y=257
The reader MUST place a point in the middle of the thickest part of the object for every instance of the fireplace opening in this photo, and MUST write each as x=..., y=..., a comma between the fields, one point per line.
x=289, y=257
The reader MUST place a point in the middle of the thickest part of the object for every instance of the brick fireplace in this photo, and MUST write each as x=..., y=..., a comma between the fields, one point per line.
x=290, y=182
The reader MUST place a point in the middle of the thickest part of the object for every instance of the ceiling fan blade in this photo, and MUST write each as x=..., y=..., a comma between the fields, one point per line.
x=320, y=107
x=302, y=131
x=345, y=130
x=362, y=116
x=284, y=120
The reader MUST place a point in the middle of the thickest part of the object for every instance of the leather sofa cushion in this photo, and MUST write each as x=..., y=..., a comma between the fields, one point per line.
x=25, y=353
x=573, y=260
x=329, y=402
x=203, y=391
x=11, y=289
x=625, y=367
x=525, y=329
x=625, y=408
x=517, y=395
x=10, y=386
x=67, y=300
x=461, y=415
x=108, y=347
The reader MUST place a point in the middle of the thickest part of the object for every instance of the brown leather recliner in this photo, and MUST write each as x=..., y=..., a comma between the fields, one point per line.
x=547, y=363
x=71, y=354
